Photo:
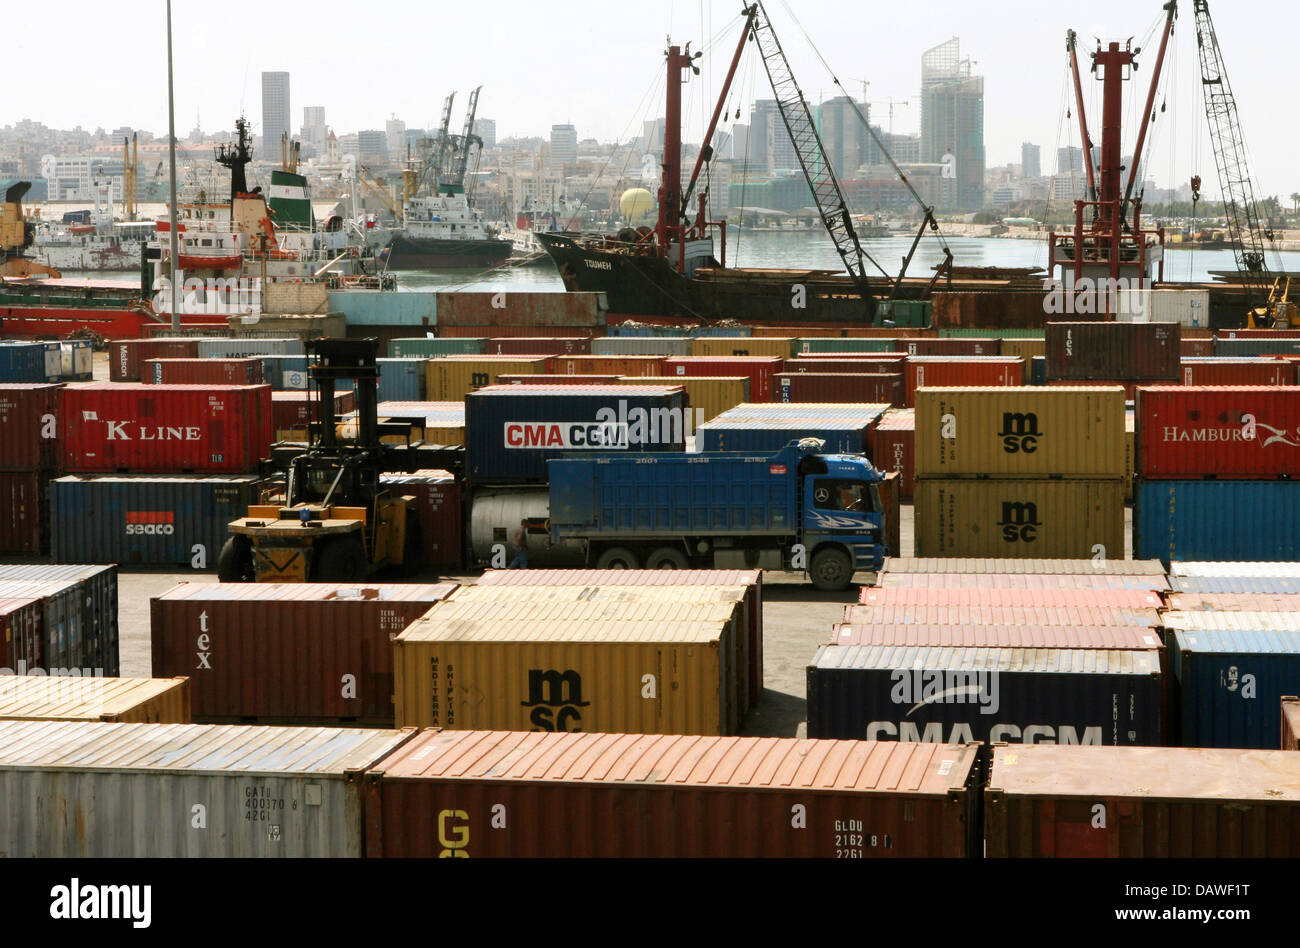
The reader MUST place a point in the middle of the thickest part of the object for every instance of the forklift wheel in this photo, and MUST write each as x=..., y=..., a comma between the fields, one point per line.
x=341, y=560
x=235, y=562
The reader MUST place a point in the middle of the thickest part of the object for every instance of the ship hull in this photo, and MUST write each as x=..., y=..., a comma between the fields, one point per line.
x=409, y=253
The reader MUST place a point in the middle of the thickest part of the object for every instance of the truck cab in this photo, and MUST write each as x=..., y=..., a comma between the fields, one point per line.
x=844, y=520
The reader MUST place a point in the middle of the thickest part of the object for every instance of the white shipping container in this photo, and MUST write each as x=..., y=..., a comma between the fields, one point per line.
x=1189, y=308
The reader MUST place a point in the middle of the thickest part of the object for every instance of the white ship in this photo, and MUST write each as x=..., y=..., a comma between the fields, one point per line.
x=99, y=243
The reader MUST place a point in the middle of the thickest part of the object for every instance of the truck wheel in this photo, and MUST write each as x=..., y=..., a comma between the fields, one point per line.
x=341, y=560
x=666, y=557
x=831, y=570
x=618, y=557
x=235, y=561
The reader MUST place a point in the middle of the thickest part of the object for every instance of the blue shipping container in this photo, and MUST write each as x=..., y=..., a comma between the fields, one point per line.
x=512, y=430
x=1038, y=370
x=1216, y=520
x=402, y=380
x=386, y=308
x=285, y=372
x=1237, y=585
x=147, y=521
x=769, y=428
x=30, y=362
x=1230, y=684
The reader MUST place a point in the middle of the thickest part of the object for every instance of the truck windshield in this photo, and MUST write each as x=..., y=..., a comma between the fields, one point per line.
x=856, y=496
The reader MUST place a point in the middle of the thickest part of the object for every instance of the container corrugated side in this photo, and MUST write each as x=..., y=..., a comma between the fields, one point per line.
x=1206, y=520
x=1291, y=723
x=119, y=700
x=712, y=347
x=245, y=371
x=1035, y=581
x=1036, y=519
x=708, y=396
x=29, y=430
x=79, y=631
x=511, y=794
x=1237, y=372
x=244, y=347
x=427, y=347
x=759, y=369
x=402, y=379
x=1229, y=585
x=640, y=345
x=451, y=379
x=24, y=512
x=539, y=345
x=1240, y=432
x=962, y=371
x=1020, y=432
x=1235, y=602
x=1219, y=568
x=1049, y=597
x=1230, y=683
x=796, y=387
x=1001, y=615
x=1111, y=351
x=305, y=652
x=913, y=635
x=655, y=676
x=438, y=505
x=960, y=695
x=130, y=790
x=987, y=566
x=22, y=629
x=1140, y=802
x=892, y=447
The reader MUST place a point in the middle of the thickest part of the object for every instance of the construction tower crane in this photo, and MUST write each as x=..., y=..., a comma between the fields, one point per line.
x=1244, y=228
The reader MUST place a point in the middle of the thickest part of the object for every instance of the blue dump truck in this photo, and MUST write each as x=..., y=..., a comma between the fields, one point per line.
x=826, y=514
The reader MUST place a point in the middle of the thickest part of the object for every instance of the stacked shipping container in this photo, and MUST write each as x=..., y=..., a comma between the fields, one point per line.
x=29, y=457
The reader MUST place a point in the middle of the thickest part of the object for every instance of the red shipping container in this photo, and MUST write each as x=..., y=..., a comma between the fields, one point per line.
x=1238, y=372
x=29, y=428
x=965, y=371
x=1012, y=598
x=165, y=429
x=1195, y=348
x=1245, y=432
x=961, y=346
x=485, y=331
x=125, y=356
x=23, y=508
x=1131, y=352
x=558, y=379
x=437, y=502
x=644, y=365
x=202, y=371
x=305, y=652
x=539, y=345
x=759, y=369
x=866, y=364
x=297, y=409
x=22, y=638
x=892, y=447
x=841, y=388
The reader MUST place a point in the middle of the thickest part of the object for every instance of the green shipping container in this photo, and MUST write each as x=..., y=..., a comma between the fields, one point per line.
x=425, y=347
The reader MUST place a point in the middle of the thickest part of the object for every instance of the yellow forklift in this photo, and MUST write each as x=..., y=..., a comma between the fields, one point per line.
x=337, y=522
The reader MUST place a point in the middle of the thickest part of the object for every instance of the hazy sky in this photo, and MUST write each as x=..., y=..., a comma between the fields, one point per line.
x=597, y=64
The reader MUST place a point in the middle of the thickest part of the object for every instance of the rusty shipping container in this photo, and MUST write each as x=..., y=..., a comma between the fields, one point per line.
x=1122, y=638
x=24, y=512
x=511, y=794
x=841, y=388
x=1020, y=432
x=608, y=365
x=962, y=371
x=712, y=347
x=129, y=790
x=246, y=371
x=539, y=345
x=1291, y=723
x=892, y=448
x=126, y=356
x=1020, y=581
x=164, y=429
x=118, y=700
x=29, y=429
x=1124, y=352
x=1242, y=432
x=451, y=378
x=760, y=370
x=532, y=311
x=309, y=652
x=1157, y=802
x=1072, y=519
x=1237, y=372
x=985, y=566
x=1051, y=597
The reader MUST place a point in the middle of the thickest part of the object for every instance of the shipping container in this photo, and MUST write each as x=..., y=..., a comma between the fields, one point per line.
x=1186, y=307
x=450, y=379
x=1267, y=585
x=866, y=365
x=1237, y=372
x=1291, y=723
x=767, y=428
x=1070, y=519
x=1225, y=432
x=952, y=346
x=427, y=347
x=1020, y=432
x=892, y=447
x=539, y=345
x=533, y=795
x=1196, y=348
x=1026, y=349
x=76, y=360
x=563, y=379
x=1269, y=345
x=1231, y=681
x=78, y=635
x=759, y=369
x=1052, y=597
x=28, y=363
x=22, y=630
x=1020, y=581
x=646, y=365
x=1140, y=802
x=963, y=371
x=640, y=345
x=1123, y=638
x=712, y=347
x=285, y=373
x=402, y=379
x=841, y=388
x=837, y=344
x=436, y=422
x=512, y=430
x=304, y=652
x=707, y=396
x=665, y=674
x=294, y=411
x=29, y=430
x=1096, y=616
x=165, y=429
x=118, y=700
x=532, y=310
x=1215, y=569
x=130, y=790
x=1221, y=519
x=438, y=505
x=146, y=521
x=24, y=512
x=1109, y=351
x=244, y=347
x=1235, y=602
x=1130, y=453
x=988, y=566
x=248, y=371
x=962, y=695
x=125, y=356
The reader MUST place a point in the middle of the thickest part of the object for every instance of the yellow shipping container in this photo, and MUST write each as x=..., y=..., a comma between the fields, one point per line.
x=1037, y=519
x=450, y=380
x=1025, y=349
x=710, y=396
x=1034, y=431
x=118, y=700
x=519, y=673
x=1130, y=464
x=747, y=346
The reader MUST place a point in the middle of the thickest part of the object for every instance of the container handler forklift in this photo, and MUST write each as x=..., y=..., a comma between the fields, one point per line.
x=337, y=522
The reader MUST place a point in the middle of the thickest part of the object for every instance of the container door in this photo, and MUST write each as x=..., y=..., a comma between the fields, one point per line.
x=891, y=505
